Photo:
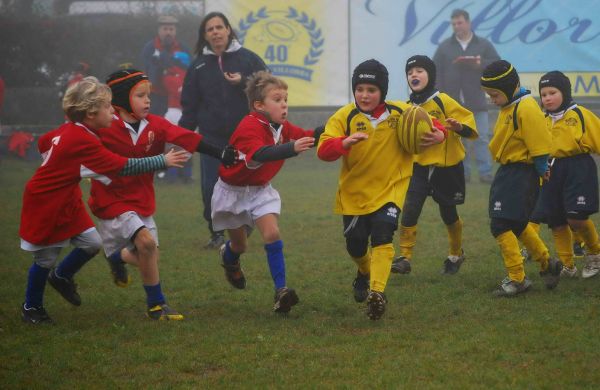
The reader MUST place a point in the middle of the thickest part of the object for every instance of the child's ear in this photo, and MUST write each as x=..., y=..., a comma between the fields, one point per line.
x=258, y=105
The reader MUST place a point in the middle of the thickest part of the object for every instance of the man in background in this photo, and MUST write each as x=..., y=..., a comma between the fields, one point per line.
x=460, y=60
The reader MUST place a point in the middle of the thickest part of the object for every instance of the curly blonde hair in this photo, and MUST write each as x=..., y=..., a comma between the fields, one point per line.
x=85, y=96
x=258, y=86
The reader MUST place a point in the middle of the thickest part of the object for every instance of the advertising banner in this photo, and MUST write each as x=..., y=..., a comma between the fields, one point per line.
x=304, y=42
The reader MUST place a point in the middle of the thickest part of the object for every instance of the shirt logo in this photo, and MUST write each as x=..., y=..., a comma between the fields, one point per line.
x=571, y=122
x=361, y=126
x=392, y=212
x=150, y=140
x=497, y=206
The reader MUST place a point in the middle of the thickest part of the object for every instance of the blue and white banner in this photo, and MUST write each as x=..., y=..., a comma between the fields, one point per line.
x=535, y=35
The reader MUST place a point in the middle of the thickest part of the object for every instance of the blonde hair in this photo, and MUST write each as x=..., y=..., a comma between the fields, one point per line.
x=258, y=86
x=85, y=97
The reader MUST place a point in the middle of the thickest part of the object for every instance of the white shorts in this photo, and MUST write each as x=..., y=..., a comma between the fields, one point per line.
x=117, y=233
x=46, y=255
x=234, y=206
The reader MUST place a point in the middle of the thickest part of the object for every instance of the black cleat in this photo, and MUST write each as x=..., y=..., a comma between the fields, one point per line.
x=452, y=264
x=285, y=298
x=361, y=287
x=551, y=275
x=401, y=265
x=119, y=273
x=376, y=305
x=216, y=241
x=35, y=315
x=65, y=287
x=233, y=272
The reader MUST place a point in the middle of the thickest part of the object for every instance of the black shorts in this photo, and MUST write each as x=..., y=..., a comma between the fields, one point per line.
x=446, y=185
x=572, y=188
x=514, y=191
x=359, y=226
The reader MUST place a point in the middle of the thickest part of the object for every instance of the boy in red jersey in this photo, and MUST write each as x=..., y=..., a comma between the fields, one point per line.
x=243, y=196
x=125, y=206
x=53, y=214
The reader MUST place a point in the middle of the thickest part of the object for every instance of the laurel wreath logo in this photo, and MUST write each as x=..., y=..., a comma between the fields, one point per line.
x=309, y=24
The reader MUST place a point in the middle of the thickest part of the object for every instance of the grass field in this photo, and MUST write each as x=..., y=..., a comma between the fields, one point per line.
x=439, y=332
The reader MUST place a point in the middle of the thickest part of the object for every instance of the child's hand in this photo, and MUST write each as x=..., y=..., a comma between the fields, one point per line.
x=353, y=139
x=233, y=78
x=453, y=124
x=176, y=158
x=229, y=156
x=435, y=136
x=303, y=144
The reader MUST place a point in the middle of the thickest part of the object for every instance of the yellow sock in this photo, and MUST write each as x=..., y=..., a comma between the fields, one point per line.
x=455, y=237
x=535, y=226
x=577, y=236
x=408, y=239
x=381, y=263
x=535, y=246
x=363, y=263
x=513, y=261
x=590, y=237
x=563, y=242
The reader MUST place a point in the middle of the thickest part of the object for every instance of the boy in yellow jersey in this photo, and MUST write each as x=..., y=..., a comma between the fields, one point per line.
x=570, y=195
x=521, y=144
x=437, y=171
x=374, y=177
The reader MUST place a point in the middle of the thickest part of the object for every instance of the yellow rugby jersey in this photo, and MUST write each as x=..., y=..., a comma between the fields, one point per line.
x=375, y=171
x=568, y=135
x=520, y=132
x=451, y=151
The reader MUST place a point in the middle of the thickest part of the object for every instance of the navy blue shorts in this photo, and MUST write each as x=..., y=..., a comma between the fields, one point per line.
x=514, y=192
x=360, y=226
x=446, y=185
x=572, y=188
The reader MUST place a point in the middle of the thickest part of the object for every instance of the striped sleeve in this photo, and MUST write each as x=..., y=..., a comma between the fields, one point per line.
x=137, y=166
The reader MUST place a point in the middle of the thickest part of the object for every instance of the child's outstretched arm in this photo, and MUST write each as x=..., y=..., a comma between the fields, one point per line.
x=283, y=151
x=137, y=166
x=228, y=155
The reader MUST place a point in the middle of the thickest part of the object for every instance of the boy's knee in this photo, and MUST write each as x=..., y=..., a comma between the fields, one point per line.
x=271, y=235
x=356, y=248
x=382, y=233
x=144, y=241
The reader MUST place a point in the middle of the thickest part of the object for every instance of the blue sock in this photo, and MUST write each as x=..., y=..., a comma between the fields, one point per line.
x=36, y=283
x=73, y=263
x=276, y=263
x=154, y=295
x=229, y=256
x=116, y=257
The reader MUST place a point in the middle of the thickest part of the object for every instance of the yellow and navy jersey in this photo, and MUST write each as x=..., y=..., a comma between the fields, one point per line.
x=375, y=171
x=576, y=131
x=451, y=151
x=520, y=132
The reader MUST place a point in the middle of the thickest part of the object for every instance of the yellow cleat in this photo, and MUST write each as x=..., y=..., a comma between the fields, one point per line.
x=163, y=312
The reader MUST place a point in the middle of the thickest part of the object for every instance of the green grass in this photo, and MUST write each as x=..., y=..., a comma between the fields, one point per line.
x=438, y=332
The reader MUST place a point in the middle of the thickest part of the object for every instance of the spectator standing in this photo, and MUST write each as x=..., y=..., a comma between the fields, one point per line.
x=213, y=98
x=460, y=60
x=158, y=56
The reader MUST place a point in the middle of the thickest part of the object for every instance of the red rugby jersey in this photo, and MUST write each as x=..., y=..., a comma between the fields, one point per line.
x=253, y=133
x=53, y=210
x=136, y=193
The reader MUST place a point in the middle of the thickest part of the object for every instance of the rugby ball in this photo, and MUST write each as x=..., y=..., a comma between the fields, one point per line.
x=415, y=123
